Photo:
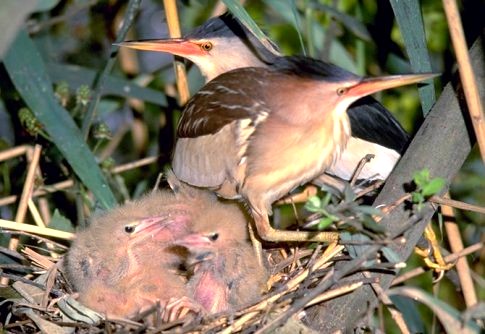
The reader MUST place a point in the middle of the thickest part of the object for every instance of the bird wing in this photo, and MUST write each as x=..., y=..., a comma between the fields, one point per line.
x=233, y=96
x=215, y=127
x=371, y=121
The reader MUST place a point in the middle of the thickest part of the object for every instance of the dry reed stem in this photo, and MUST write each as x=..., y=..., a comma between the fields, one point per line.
x=39, y=221
x=450, y=258
x=14, y=152
x=467, y=76
x=457, y=204
x=11, y=225
x=35, y=214
x=37, y=259
x=26, y=193
x=134, y=164
x=40, y=192
x=174, y=31
x=395, y=313
x=462, y=267
x=342, y=290
x=360, y=166
x=47, y=189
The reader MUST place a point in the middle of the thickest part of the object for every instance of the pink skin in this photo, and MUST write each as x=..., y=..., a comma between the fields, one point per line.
x=210, y=290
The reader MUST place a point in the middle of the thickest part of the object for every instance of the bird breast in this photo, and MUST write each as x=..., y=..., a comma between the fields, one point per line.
x=283, y=155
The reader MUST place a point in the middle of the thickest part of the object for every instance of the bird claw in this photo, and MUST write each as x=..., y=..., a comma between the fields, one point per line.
x=439, y=265
x=179, y=308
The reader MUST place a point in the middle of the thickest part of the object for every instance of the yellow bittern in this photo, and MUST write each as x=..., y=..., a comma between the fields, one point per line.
x=257, y=133
x=223, y=44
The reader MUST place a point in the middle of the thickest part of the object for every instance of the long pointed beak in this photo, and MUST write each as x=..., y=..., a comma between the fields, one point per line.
x=177, y=46
x=372, y=85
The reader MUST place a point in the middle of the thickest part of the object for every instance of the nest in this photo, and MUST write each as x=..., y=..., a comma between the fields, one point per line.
x=42, y=299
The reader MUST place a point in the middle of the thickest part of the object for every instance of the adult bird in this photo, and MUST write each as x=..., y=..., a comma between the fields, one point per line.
x=257, y=133
x=223, y=44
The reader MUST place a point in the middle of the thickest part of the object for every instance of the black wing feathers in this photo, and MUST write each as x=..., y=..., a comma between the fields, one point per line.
x=371, y=121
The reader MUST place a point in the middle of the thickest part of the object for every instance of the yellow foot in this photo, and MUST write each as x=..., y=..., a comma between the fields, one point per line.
x=439, y=264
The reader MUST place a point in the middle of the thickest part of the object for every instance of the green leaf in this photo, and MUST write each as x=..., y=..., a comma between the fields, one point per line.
x=371, y=225
x=350, y=22
x=449, y=317
x=27, y=71
x=410, y=312
x=59, y=222
x=325, y=222
x=313, y=204
x=12, y=16
x=357, y=250
x=417, y=197
x=391, y=255
x=421, y=177
x=239, y=12
x=369, y=210
x=433, y=187
x=410, y=21
x=45, y=5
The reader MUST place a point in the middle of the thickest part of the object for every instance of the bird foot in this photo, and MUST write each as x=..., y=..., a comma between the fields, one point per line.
x=438, y=265
x=179, y=308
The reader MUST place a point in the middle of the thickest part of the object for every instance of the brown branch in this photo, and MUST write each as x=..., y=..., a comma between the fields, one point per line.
x=174, y=30
x=470, y=87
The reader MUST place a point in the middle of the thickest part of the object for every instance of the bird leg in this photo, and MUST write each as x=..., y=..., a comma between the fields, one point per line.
x=268, y=233
x=257, y=246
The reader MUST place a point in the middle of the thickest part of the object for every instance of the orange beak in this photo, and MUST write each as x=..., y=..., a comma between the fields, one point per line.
x=371, y=85
x=176, y=46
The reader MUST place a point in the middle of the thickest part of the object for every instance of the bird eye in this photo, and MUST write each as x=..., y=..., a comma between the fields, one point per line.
x=206, y=46
x=213, y=236
x=341, y=91
x=129, y=229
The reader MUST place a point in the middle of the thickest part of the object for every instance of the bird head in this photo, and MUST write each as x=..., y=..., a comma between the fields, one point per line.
x=348, y=91
x=332, y=87
x=219, y=45
x=157, y=218
x=220, y=228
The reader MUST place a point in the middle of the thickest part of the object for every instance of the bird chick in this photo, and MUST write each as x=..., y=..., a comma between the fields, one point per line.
x=224, y=273
x=124, y=262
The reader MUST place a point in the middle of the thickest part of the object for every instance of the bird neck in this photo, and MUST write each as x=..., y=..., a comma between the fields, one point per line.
x=341, y=129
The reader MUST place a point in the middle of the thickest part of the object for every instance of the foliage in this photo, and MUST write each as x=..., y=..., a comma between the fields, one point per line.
x=425, y=187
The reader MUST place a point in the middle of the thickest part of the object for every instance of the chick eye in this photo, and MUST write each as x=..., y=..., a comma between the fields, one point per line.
x=341, y=91
x=214, y=236
x=129, y=229
x=206, y=46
